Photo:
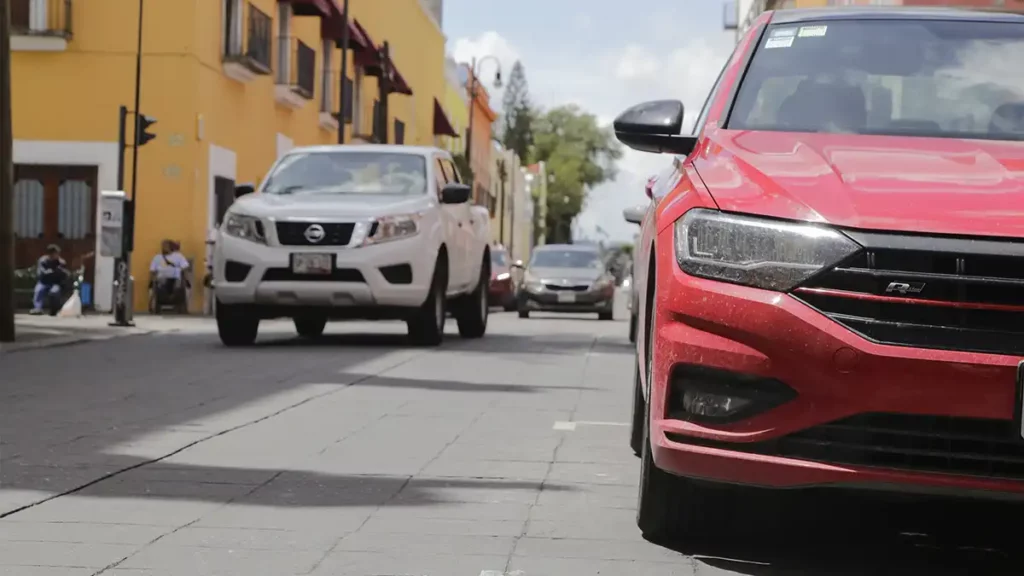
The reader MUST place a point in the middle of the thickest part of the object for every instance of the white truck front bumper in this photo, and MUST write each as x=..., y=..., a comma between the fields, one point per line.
x=247, y=272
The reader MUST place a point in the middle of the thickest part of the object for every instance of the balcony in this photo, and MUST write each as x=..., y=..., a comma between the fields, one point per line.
x=40, y=25
x=296, y=72
x=247, y=57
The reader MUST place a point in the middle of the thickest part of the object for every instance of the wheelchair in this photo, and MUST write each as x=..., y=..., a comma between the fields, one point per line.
x=172, y=294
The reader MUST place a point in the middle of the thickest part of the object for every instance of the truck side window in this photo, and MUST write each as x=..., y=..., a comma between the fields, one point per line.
x=452, y=172
x=439, y=176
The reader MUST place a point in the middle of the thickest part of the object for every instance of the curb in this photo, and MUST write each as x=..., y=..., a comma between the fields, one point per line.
x=62, y=341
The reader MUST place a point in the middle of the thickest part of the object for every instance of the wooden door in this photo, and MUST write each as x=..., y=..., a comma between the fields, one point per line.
x=55, y=205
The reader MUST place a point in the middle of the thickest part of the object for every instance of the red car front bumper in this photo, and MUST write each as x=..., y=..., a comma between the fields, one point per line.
x=860, y=414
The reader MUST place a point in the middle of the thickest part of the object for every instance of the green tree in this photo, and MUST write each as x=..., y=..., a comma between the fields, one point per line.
x=517, y=114
x=580, y=154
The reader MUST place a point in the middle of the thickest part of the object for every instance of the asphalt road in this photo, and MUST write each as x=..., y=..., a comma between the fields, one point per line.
x=169, y=455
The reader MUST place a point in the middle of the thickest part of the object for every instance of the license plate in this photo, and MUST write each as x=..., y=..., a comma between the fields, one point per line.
x=566, y=298
x=1020, y=397
x=319, y=264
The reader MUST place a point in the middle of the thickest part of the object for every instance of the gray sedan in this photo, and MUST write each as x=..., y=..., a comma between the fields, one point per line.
x=567, y=278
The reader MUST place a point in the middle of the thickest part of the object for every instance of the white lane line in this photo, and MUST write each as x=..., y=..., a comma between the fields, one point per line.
x=571, y=426
x=500, y=573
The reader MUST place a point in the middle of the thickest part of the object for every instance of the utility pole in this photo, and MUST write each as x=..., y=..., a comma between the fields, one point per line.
x=6, y=181
x=124, y=302
x=344, y=74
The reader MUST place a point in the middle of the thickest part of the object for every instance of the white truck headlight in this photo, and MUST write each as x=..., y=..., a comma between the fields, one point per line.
x=758, y=252
x=394, y=228
x=245, y=227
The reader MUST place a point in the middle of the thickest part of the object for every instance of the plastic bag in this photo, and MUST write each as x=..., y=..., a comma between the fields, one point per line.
x=73, y=307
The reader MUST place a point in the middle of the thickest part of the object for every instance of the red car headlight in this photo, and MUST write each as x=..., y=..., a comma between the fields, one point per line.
x=759, y=252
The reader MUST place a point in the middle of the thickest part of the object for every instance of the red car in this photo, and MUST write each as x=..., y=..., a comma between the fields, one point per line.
x=501, y=291
x=831, y=293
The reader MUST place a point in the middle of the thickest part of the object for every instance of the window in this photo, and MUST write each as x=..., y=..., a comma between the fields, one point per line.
x=399, y=132
x=348, y=173
x=928, y=78
x=566, y=259
x=698, y=126
x=232, y=27
x=454, y=171
x=449, y=171
x=439, y=177
x=326, y=78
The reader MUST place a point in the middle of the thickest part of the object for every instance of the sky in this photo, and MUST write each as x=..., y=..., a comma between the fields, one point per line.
x=604, y=56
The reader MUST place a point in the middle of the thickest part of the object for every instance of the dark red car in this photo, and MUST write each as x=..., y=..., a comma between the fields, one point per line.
x=831, y=294
x=502, y=289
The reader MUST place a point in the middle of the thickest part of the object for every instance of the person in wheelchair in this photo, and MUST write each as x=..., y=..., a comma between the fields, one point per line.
x=168, y=281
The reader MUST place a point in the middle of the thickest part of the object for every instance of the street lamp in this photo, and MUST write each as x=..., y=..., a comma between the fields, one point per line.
x=474, y=69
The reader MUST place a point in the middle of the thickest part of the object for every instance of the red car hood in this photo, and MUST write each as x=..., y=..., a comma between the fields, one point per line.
x=936, y=185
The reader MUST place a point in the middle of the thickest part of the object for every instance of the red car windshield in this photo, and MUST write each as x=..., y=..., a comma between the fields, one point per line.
x=499, y=259
x=929, y=78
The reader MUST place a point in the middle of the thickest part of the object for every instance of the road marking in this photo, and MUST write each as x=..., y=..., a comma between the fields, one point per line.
x=500, y=573
x=571, y=426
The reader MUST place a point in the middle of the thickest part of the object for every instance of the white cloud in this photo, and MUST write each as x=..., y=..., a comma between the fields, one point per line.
x=636, y=62
x=605, y=84
x=489, y=44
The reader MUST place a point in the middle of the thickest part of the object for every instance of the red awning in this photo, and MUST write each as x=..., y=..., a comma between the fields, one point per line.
x=366, y=53
x=324, y=8
x=333, y=28
x=398, y=83
x=442, y=125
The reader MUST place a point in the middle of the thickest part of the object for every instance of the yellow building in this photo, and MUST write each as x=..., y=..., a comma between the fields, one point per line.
x=233, y=84
x=456, y=107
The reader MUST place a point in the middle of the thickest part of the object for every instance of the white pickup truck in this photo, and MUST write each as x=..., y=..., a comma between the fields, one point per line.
x=354, y=232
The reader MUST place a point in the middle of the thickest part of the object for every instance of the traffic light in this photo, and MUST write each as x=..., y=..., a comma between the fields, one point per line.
x=143, y=122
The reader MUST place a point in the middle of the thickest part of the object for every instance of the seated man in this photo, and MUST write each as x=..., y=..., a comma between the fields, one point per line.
x=167, y=269
x=51, y=274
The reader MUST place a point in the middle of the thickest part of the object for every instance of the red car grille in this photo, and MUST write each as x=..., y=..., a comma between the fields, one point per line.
x=928, y=292
x=965, y=446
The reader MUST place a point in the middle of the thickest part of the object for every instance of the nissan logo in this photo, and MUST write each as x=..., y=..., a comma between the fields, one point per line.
x=314, y=233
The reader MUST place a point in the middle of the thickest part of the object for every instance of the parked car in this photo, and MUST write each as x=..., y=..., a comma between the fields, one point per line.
x=830, y=294
x=502, y=290
x=356, y=231
x=634, y=215
x=567, y=278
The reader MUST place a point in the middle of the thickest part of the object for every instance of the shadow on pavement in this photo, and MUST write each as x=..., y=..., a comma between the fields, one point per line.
x=63, y=411
x=291, y=488
x=839, y=534
x=457, y=386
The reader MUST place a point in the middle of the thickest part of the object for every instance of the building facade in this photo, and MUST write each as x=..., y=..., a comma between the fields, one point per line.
x=482, y=120
x=233, y=84
x=456, y=105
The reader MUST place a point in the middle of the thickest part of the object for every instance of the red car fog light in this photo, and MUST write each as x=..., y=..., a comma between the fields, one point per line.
x=701, y=394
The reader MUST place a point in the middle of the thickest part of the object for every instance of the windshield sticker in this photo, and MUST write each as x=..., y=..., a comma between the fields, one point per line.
x=784, y=42
x=812, y=31
x=780, y=32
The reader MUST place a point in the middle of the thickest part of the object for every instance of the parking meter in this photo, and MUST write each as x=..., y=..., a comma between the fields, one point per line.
x=112, y=223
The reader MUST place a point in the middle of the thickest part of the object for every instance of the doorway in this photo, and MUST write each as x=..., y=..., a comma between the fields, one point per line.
x=55, y=205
